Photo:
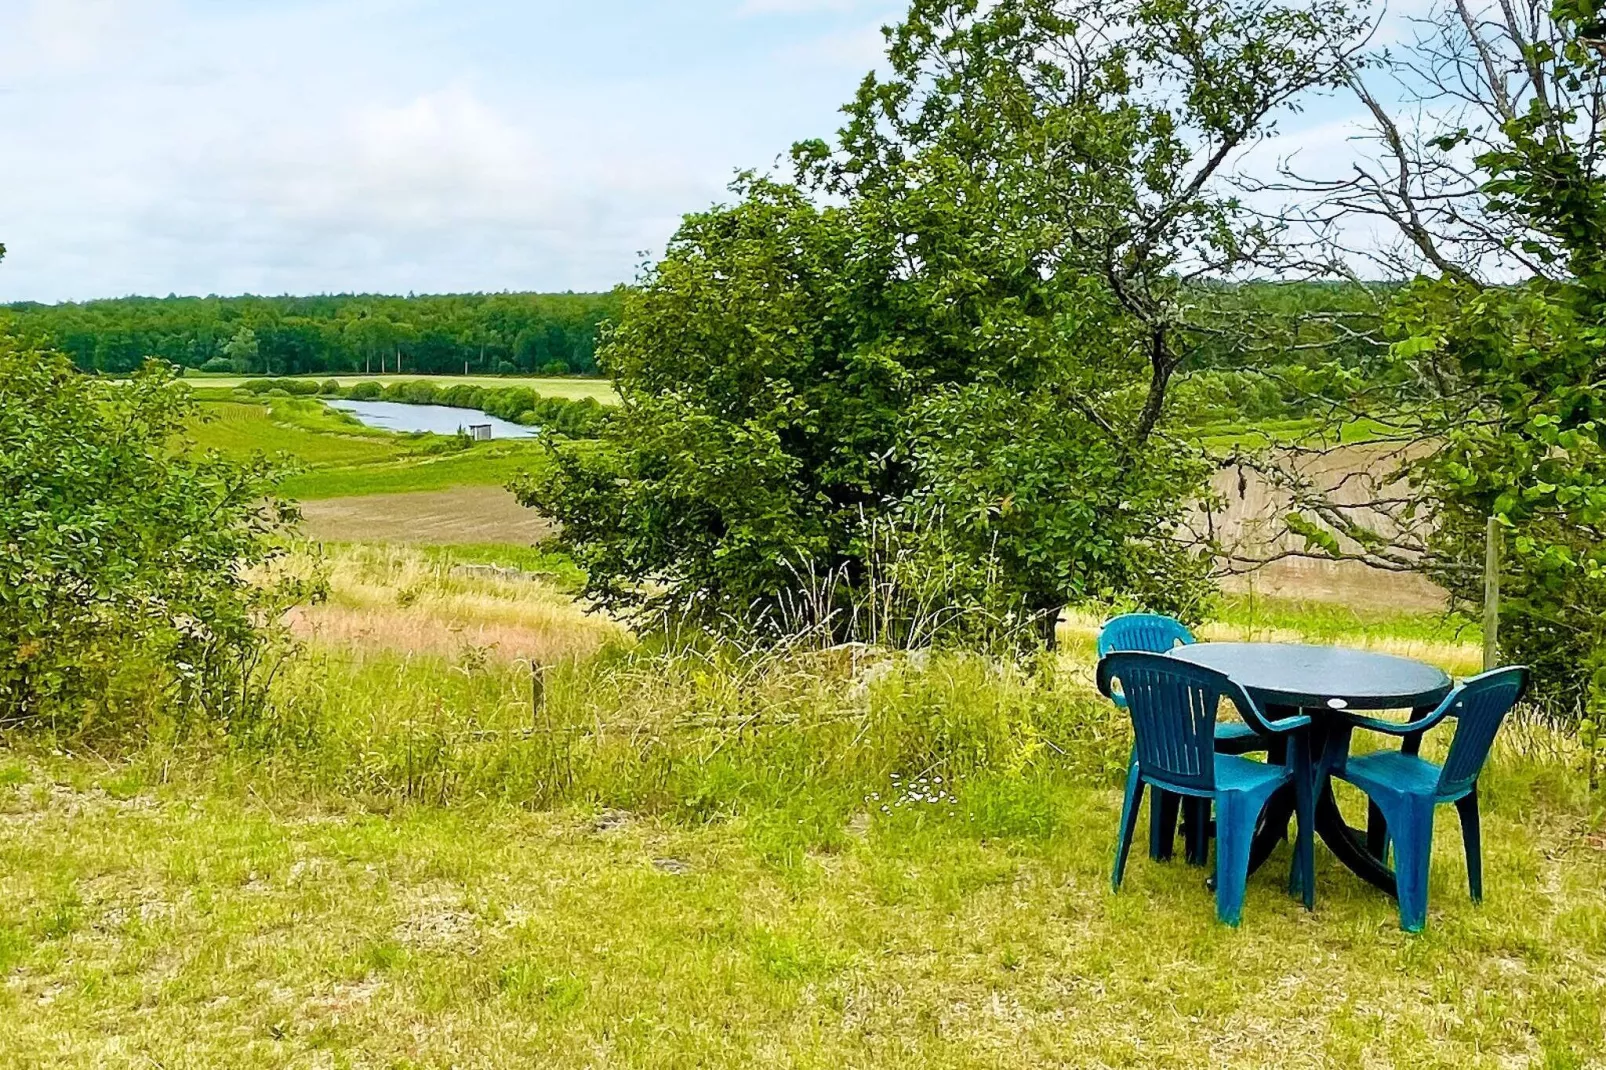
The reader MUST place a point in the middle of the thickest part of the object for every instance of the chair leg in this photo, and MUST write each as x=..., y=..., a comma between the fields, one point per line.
x=1303, y=873
x=1235, y=831
x=1413, y=853
x=1196, y=842
x=1377, y=832
x=1129, y=824
x=1163, y=807
x=1472, y=837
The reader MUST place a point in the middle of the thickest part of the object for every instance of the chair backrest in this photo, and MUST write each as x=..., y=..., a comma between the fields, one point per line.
x=1480, y=706
x=1148, y=632
x=1173, y=707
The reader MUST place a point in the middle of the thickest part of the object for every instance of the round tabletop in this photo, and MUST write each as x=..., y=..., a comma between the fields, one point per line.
x=1322, y=677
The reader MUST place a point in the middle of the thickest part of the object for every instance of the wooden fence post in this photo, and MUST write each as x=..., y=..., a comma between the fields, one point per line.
x=1491, y=596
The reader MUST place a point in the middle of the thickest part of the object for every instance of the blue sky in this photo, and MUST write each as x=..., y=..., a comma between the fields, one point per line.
x=306, y=146
x=223, y=146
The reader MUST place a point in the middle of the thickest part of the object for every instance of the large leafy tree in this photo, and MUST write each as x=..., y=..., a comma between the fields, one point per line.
x=945, y=354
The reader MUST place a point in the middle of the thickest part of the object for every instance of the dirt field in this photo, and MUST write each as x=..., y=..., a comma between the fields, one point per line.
x=1251, y=525
x=469, y=515
x=460, y=516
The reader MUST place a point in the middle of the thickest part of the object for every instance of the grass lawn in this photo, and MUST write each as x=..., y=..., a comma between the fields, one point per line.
x=838, y=858
x=490, y=464
x=241, y=429
x=600, y=389
x=143, y=924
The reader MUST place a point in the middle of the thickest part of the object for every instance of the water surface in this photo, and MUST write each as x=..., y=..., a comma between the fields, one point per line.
x=437, y=419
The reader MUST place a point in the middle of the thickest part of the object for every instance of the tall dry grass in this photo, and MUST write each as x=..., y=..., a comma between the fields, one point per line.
x=420, y=682
x=399, y=600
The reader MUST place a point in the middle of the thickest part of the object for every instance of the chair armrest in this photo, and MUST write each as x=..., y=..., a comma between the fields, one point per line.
x=1402, y=728
x=1285, y=724
x=1256, y=718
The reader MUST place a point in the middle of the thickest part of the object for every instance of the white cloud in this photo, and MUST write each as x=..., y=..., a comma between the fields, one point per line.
x=150, y=147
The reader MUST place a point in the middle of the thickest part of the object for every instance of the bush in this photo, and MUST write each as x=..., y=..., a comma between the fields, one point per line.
x=365, y=391
x=329, y=388
x=305, y=388
x=124, y=573
x=556, y=367
x=218, y=364
x=418, y=393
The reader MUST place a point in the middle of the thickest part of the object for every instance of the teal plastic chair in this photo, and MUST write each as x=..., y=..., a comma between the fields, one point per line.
x=1406, y=790
x=1173, y=706
x=1154, y=633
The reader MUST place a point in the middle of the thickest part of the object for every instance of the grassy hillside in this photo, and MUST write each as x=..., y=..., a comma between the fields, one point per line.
x=337, y=456
x=841, y=858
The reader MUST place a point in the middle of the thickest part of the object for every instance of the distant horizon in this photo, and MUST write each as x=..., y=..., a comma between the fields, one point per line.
x=352, y=294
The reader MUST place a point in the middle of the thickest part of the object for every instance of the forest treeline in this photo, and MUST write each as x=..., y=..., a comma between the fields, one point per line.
x=546, y=334
x=559, y=334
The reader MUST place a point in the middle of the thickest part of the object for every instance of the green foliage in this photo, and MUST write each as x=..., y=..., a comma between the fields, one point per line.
x=508, y=333
x=935, y=377
x=124, y=563
x=1521, y=420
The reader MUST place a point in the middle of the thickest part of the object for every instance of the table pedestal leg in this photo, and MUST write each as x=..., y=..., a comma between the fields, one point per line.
x=1349, y=844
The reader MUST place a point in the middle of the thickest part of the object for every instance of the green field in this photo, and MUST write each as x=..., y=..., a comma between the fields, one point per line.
x=480, y=465
x=573, y=389
x=334, y=455
x=805, y=861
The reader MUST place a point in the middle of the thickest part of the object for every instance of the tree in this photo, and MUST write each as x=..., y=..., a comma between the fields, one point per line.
x=125, y=561
x=958, y=330
x=242, y=351
x=1491, y=173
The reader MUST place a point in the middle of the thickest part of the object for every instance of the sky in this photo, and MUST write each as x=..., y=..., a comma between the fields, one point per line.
x=331, y=146
x=299, y=146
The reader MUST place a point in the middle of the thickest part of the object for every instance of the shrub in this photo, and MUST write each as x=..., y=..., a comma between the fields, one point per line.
x=218, y=364
x=124, y=561
x=365, y=391
x=329, y=388
x=556, y=367
x=282, y=387
x=418, y=393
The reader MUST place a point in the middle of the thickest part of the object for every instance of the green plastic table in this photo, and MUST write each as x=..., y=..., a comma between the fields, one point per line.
x=1320, y=681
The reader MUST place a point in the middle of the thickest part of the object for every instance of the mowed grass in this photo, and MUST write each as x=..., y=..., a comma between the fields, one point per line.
x=480, y=465
x=241, y=429
x=143, y=924
x=574, y=389
x=824, y=858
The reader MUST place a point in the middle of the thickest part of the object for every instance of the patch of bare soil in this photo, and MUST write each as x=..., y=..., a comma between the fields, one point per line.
x=1252, y=526
x=438, y=518
x=1342, y=582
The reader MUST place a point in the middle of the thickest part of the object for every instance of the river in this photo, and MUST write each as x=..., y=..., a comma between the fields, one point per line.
x=436, y=419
